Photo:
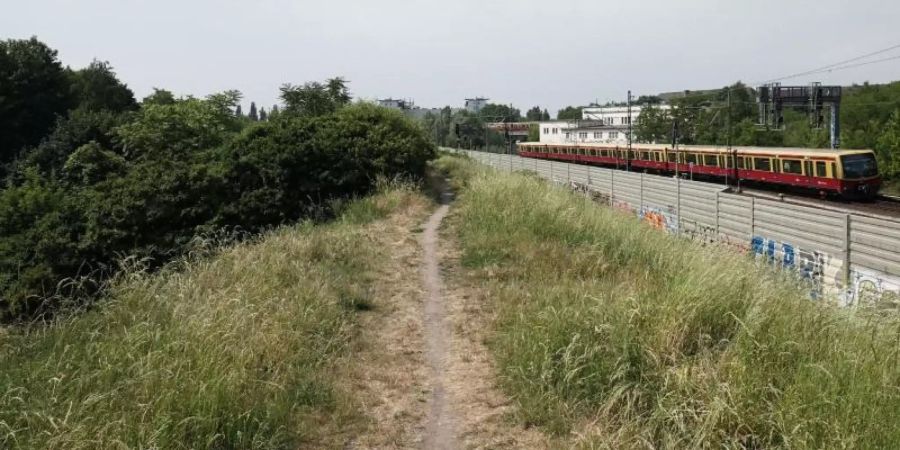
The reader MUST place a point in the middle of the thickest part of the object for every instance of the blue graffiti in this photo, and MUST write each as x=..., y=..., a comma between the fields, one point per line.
x=766, y=247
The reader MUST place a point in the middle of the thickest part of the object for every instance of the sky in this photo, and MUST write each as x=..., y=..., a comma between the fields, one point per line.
x=519, y=52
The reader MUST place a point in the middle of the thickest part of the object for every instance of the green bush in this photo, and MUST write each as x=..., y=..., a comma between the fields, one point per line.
x=94, y=195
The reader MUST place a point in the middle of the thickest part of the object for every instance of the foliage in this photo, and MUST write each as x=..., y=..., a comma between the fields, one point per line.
x=96, y=88
x=493, y=112
x=34, y=91
x=280, y=171
x=81, y=127
x=888, y=146
x=253, y=114
x=315, y=99
x=569, y=113
x=159, y=97
x=534, y=133
x=177, y=129
x=144, y=184
x=536, y=115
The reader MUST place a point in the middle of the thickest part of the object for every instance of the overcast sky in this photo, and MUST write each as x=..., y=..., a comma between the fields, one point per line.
x=524, y=52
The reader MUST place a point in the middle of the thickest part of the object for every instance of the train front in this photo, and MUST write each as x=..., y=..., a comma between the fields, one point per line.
x=860, y=178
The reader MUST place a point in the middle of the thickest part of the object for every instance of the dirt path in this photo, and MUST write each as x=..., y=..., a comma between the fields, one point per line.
x=440, y=432
x=422, y=375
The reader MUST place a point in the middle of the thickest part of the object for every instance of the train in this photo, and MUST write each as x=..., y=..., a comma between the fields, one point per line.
x=847, y=174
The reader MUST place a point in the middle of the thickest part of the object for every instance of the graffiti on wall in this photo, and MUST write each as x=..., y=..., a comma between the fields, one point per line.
x=659, y=218
x=873, y=288
x=813, y=266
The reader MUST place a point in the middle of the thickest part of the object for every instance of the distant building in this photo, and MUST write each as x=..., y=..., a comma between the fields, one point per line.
x=476, y=104
x=395, y=103
x=599, y=124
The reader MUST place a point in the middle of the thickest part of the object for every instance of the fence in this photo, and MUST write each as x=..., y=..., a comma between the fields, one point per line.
x=852, y=258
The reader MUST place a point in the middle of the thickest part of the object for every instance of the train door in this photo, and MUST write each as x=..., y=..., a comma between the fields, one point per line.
x=808, y=168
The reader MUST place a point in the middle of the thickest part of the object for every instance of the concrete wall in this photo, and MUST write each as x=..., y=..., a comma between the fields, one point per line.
x=850, y=259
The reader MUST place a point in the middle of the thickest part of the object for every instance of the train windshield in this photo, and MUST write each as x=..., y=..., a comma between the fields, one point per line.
x=859, y=166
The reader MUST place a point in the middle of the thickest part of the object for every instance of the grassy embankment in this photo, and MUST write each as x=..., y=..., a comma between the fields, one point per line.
x=631, y=338
x=237, y=350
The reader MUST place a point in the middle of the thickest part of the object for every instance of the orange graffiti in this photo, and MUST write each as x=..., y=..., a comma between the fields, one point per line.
x=656, y=220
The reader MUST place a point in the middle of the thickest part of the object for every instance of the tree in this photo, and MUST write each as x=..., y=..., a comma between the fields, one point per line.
x=274, y=113
x=34, y=91
x=263, y=116
x=493, y=112
x=535, y=114
x=238, y=112
x=253, y=114
x=96, y=88
x=159, y=97
x=654, y=125
x=534, y=133
x=176, y=130
x=888, y=147
x=315, y=99
x=569, y=113
x=545, y=115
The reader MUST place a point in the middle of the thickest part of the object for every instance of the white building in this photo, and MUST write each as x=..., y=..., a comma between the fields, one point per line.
x=599, y=124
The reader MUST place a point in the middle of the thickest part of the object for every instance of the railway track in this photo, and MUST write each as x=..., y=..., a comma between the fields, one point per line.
x=882, y=207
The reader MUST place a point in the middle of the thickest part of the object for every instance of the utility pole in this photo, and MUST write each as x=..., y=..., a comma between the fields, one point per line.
x=728, y=136
x=628, y=158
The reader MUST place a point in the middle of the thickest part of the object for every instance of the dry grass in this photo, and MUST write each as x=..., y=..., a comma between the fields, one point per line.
x=238, y=350
x=619, y=336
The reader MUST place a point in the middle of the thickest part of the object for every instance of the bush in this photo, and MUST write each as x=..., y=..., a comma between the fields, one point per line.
x=177, y=170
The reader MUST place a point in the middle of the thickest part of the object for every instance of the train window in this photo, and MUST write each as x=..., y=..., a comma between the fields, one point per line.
x=820, y=169
x=692, y=158
x=741, y=162
x=671, y=157
x=791, y=166
x=645, y=156
x=711, y=160
x=729, y=161
x=762, y=164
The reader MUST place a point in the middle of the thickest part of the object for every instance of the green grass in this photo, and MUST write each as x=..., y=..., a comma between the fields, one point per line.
x=636, y=339
x=237, y=350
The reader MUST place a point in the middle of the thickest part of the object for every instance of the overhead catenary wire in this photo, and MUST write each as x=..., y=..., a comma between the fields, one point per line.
x=834, y=66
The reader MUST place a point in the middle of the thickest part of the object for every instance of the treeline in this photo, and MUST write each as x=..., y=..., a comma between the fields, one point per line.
x=870, y=118
x=92, y=177
x=461, y=128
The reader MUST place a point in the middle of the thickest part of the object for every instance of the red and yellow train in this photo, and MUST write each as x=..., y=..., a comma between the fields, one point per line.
x=845, y=173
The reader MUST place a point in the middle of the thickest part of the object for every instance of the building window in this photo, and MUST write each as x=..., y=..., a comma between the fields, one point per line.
x=613, y=134
x=598, y=135
x=582, y=135
x=626, y=120
x=546, y=131
x=556, y=131
x=567, y=135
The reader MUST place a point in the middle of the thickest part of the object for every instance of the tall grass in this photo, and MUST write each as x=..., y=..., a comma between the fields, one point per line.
x=636, y=339
x=238, y=350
